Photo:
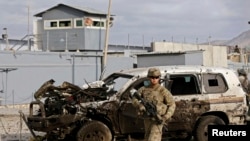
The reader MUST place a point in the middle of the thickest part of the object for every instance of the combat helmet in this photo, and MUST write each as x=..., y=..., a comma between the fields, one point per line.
x=241, y=72
x=154, y=72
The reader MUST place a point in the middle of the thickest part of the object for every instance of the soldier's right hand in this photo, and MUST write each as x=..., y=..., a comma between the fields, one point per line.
x=142, y=108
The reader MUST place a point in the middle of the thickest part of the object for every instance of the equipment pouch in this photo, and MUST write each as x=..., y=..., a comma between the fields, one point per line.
x=161, y=108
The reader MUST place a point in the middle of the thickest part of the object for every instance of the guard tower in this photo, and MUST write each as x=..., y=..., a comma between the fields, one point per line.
x=68, y=28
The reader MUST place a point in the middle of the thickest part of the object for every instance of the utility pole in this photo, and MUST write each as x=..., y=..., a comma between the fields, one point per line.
x=28, y=28
x=106, y=37
x=73, y=69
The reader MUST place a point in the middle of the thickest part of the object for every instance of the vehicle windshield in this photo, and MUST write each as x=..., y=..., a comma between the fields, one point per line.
x=117, y=80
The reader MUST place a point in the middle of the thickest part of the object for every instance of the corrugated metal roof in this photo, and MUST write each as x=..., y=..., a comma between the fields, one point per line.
x=83, y=9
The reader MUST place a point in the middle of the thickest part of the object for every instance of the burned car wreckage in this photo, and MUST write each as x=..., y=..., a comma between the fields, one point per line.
x=103, y=110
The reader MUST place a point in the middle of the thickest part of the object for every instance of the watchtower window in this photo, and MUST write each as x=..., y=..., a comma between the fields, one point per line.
x=57, y=24
x=79, y=23
x=98, y=23
x=65, y=23
x=53, y=24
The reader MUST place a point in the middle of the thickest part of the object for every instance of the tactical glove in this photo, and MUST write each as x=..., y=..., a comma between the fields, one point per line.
x=166, y=118
x=158, y=119
x=142, y=109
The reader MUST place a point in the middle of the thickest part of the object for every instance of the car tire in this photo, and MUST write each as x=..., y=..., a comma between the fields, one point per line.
x=94, y=131
x=200, y=132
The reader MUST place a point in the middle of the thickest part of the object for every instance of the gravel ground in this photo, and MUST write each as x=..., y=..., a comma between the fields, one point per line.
x=12, y=127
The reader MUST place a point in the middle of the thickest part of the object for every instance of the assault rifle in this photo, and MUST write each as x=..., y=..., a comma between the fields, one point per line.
x=150, y=107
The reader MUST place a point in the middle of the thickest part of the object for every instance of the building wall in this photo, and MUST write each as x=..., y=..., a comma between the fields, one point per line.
x=194, y=58
x=212, y=55
x=73, y=40
x=158, y=59
x=34, y=68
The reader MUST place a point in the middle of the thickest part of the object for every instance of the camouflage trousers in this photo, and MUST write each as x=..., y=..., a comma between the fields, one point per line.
x=153, y=131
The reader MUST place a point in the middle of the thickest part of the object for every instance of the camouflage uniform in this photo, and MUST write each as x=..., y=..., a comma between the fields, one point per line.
x=246, y=86
x=164, y=102
x=243, y=79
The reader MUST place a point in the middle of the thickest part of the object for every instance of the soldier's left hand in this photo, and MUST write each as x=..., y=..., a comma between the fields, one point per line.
x=165, y=119
x=159, y=119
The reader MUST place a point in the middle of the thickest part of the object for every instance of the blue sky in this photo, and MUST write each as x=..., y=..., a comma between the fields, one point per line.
x=140, y=22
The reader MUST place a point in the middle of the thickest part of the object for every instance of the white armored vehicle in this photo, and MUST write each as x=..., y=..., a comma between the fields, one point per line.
x=203, y=96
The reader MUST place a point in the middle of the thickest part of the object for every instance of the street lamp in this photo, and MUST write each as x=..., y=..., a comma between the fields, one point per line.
x=6, y=70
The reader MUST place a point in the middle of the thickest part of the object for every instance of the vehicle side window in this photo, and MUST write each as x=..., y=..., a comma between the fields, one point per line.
x=184, y=84
x=214, y=83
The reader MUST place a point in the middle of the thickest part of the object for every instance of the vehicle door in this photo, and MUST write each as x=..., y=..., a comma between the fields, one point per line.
x=186, y=91
x=129, y=121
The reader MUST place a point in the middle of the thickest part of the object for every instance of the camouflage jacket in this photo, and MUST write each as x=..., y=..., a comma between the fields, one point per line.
x=161, y=97
x=244, y=82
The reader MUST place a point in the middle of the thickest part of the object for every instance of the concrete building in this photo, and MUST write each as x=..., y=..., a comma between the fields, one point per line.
x=170, y=58
x=68, y=28
x=211, y=55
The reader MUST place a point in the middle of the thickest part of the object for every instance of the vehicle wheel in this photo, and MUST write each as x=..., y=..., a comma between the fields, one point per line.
x=94, y=131
x=200, y=132
x=188, y=138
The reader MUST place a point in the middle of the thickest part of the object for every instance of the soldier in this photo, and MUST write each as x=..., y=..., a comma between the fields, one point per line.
x=246, y=86
x=243, y=79
x=163, y=100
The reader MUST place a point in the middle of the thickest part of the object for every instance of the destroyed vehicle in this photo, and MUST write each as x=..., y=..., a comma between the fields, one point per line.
x=103, y=110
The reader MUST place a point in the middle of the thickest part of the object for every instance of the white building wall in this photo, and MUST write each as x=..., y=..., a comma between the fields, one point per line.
x=212, y=55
